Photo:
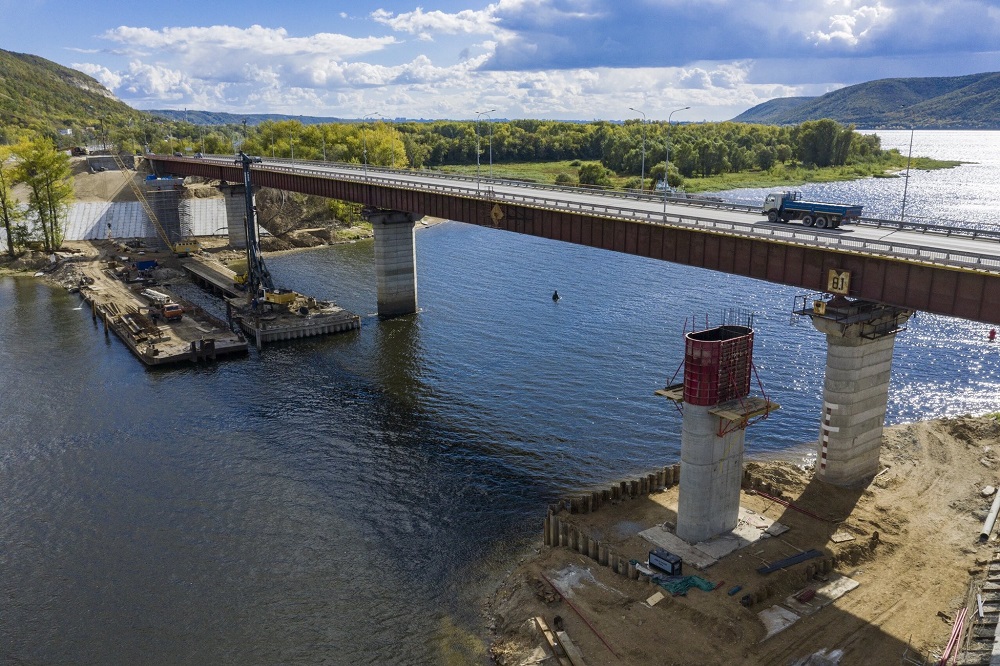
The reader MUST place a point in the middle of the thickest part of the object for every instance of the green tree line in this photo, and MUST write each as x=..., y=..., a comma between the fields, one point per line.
x=702, y=149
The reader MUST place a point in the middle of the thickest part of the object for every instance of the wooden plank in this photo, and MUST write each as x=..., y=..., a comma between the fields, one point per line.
x=572, y=651
x=553, y=642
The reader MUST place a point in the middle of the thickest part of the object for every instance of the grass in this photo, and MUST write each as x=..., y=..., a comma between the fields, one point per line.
x=778, y=176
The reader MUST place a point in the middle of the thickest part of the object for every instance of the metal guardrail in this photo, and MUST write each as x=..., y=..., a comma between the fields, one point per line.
x=402, y=179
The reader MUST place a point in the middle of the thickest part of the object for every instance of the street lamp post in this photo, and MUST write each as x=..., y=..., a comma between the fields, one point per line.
x=364, y=139
x=906, y=178
x=642, y=177
x=666, y=161
x=478, y=114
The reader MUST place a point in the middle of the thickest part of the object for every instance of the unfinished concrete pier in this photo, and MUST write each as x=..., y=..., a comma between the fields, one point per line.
x=716, y=370
x=711, y=473
x=717, y=406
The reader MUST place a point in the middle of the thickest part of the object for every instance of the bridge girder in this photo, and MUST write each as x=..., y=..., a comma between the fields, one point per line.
x=908, y=284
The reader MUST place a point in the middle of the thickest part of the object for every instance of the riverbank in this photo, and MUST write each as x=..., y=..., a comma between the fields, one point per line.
x=909, y=540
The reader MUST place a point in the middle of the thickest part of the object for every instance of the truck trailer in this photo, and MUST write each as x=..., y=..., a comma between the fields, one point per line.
x=785, y=206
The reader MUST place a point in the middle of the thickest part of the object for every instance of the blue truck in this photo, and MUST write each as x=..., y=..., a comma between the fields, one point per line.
x=785, y=206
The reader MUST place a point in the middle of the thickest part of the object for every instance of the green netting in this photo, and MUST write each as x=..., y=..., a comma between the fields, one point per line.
x=679, y=585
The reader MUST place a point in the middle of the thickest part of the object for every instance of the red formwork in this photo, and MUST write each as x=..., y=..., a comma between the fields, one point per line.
x=717, y=365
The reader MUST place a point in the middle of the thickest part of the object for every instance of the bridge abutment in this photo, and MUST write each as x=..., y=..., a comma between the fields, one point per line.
x=395, y=261
x=860, y=338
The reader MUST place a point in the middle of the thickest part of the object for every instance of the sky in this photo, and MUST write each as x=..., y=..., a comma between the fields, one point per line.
x=547, y=59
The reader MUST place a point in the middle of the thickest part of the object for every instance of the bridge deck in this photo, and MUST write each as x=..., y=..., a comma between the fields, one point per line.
x=954, y=272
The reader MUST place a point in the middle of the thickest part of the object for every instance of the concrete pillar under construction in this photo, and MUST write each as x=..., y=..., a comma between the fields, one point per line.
x=395, y=261
x=711, y=472
x=164, y=196
x=717, y=369
x=236, y=211
x=860, y=343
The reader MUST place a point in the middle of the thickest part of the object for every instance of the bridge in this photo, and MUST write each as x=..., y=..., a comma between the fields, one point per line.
x=940, y=269
x=866, y=279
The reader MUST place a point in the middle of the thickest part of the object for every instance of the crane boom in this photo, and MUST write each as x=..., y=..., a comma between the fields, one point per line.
x=258, y=277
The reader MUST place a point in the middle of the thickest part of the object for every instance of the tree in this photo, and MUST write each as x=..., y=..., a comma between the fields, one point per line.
x=595, y=174
x=765, y=157
x=47, y=174
x=10, y=214
x=824, y=142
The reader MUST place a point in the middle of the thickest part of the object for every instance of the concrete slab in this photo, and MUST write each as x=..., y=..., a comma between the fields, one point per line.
x=776, y=619
x=750, y=528
x=826, y=594
x=669, y=541
x=841, y=536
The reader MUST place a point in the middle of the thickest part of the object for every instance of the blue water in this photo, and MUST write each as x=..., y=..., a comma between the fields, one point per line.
x=350, y=500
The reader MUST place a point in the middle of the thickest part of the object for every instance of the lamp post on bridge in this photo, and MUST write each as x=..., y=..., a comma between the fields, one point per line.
x=364, y=139
x=487, y=114
x=642, y=176
x=906, y=178
x=666, y=161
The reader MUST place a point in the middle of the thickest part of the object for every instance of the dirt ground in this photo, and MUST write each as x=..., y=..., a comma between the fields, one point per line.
x=927, y=507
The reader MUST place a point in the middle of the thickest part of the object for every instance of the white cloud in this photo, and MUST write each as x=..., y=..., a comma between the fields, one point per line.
x=107, y=78
x=851, y=28
x=425, y=24
x=255, y=39
x=568, y=59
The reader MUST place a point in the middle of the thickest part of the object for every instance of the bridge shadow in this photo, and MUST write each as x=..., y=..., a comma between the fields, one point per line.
x=848, y=630
x=828, y=519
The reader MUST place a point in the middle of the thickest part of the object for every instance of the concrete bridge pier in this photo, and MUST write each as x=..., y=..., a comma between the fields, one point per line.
x=236, y=214
x=711, y=473
x=718, y=407
x=860, y=337
x=395, y=261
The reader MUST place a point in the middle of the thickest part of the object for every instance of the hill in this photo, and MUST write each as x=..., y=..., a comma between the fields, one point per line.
x=222, y=118
x=956, y=102
x=39, y=94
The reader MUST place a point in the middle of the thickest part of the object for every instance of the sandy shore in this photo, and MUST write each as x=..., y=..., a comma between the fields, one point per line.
x=909, y=539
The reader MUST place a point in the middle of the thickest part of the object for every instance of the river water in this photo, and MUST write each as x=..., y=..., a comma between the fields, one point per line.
x=350, y=500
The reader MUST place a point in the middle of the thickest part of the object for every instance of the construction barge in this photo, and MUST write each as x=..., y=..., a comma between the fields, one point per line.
x=159, y=327
x=274, y=314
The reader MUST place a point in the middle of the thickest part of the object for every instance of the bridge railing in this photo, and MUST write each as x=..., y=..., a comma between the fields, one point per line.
x=525, y=195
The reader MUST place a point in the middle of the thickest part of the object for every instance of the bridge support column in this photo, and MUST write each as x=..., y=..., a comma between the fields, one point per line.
x=860, y=337
x=711, y=472
x=236, y=212
x=395, y=261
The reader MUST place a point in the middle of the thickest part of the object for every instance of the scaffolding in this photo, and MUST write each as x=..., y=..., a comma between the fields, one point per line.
x=175, y=233
x=876, y=320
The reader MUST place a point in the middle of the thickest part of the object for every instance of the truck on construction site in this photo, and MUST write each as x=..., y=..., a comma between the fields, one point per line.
x=785, y=206
x=162, y=305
